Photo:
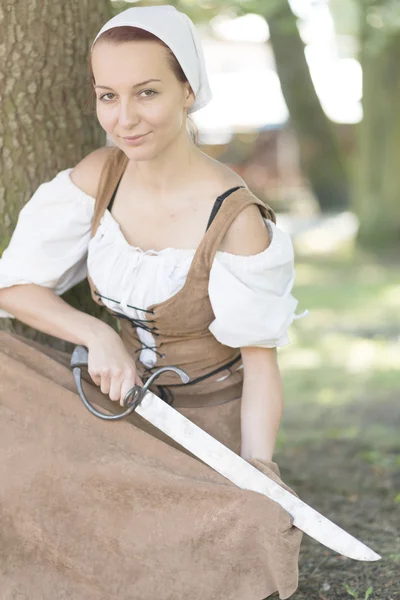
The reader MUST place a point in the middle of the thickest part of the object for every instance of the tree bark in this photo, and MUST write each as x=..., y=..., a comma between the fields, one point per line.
x=320, y=155
x=45, y=125
x=377, y=189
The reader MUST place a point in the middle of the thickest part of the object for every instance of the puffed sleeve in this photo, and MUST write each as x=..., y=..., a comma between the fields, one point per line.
x=49, y=244
x=251, y=295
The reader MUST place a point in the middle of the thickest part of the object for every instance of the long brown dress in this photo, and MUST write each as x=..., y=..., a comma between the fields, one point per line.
x=96, y=510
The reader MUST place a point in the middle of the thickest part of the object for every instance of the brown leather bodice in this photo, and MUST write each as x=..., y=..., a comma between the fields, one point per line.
x=180, y=323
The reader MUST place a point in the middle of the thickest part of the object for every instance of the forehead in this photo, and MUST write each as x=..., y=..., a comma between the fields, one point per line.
x=130, y=61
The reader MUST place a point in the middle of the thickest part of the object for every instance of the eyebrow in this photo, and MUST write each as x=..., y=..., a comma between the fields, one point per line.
x=133, y=87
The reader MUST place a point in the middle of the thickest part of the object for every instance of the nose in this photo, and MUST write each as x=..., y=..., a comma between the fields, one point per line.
x=128, y=115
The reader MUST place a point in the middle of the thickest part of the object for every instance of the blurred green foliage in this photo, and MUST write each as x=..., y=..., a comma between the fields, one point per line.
x=341, y=372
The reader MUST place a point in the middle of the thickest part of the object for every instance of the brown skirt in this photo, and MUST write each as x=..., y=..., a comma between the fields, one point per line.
x=96, y=510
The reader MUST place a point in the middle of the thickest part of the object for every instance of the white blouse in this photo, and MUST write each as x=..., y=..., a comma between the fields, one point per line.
x=51, y=246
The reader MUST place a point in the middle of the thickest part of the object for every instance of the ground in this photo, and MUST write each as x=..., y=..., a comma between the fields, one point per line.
x=339, y=441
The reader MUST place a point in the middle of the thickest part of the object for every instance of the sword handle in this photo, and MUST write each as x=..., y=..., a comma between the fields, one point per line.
x=80, y=358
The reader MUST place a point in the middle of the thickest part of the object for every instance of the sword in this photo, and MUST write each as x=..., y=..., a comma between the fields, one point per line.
x=223, y=460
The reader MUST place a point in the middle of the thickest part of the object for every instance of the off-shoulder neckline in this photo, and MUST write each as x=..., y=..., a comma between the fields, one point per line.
x=187, y=251
x=229, y=256
x=73, y=185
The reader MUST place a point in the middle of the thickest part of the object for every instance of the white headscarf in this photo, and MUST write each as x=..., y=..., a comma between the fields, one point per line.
x=176, y=30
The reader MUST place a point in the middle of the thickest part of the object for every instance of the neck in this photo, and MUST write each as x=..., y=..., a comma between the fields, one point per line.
x=170, y=169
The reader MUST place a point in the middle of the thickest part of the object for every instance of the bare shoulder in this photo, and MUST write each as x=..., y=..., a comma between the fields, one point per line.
x=248, y=233
x=86, y=174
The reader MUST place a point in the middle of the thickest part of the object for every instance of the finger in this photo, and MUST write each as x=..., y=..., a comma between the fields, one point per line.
x=115, y=389
x=127, y=385
x=95, y=378
x=105, y=383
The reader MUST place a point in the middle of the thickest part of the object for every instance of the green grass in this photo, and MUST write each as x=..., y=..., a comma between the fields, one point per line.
x=339, y=445
x=344, y=359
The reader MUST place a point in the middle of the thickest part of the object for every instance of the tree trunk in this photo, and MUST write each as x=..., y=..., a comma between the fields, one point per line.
x=377, y=193
x=320, y=155
x=44, y=126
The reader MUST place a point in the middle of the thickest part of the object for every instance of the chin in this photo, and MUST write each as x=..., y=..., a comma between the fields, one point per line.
x=139, y=153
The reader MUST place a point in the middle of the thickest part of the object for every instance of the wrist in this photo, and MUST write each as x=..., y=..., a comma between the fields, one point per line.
x=256, y=456
x=95, y=331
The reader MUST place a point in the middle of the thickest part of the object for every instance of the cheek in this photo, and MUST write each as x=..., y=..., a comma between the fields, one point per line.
x=161, y=115
x=158, y=116
x=164, y=113
x=106, y=118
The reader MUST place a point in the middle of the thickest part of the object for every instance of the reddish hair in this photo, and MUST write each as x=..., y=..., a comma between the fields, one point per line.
x=127, y=33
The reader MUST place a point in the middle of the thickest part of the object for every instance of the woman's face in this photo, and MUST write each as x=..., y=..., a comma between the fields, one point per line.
x=126, y=106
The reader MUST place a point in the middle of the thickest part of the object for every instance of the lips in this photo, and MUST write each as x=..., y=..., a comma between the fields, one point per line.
x=135, y=137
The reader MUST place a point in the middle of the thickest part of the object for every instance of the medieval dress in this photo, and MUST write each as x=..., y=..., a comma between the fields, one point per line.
x=96, y=510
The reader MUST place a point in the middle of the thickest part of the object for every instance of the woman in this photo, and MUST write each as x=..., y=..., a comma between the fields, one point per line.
x=192, y=263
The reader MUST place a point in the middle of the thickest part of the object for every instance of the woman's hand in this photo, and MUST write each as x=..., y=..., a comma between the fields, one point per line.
x=110, y=365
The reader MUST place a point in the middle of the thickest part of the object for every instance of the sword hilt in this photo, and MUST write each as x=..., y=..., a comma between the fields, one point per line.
x=80, y=358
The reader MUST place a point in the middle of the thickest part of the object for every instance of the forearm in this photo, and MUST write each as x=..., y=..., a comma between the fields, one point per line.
x=262, y=404
x=41, y=308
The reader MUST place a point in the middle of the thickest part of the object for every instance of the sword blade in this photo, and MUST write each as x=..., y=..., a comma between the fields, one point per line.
x=244, y=475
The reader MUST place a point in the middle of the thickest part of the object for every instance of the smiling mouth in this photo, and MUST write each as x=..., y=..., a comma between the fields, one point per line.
x=136, y=137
